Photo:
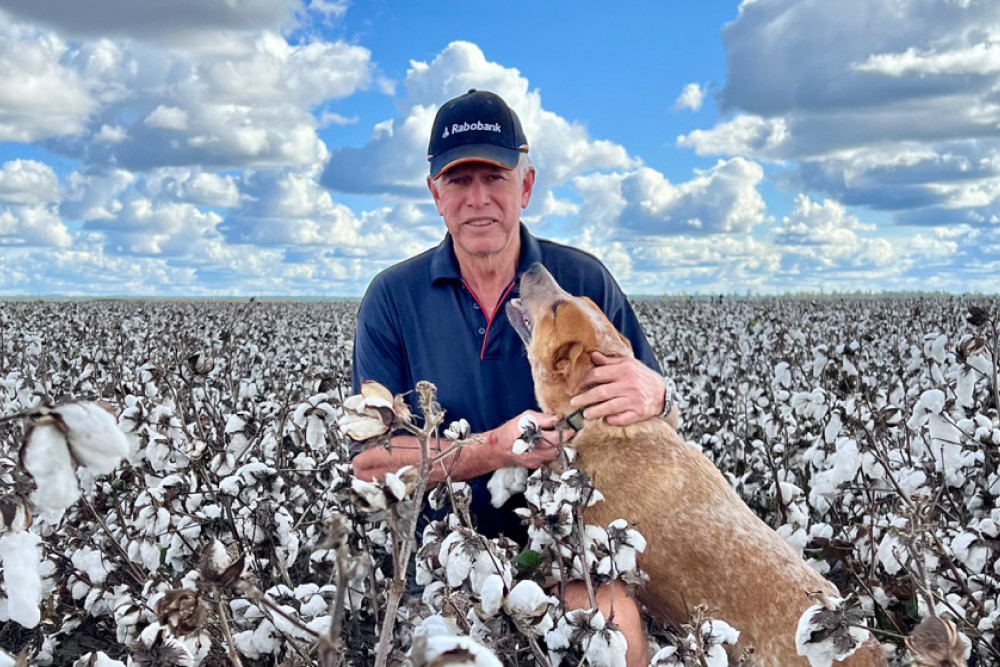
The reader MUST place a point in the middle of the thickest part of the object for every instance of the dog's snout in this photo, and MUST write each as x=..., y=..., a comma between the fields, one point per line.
x=538, y=285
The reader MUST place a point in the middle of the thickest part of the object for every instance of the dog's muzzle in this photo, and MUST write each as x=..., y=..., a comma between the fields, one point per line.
x=520, y=319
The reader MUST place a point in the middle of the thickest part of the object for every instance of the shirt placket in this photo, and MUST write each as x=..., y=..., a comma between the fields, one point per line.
x=484, y=331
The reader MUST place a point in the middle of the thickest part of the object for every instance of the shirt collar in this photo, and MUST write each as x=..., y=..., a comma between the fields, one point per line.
x=444, y=264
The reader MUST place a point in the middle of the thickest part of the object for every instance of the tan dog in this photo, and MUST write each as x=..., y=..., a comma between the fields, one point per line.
x=704, y=545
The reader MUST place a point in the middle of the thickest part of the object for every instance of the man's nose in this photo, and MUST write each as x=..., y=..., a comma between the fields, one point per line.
x=478, y=193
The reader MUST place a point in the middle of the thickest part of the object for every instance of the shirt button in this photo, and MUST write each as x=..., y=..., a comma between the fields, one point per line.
x=482, y=331
x=475, y=306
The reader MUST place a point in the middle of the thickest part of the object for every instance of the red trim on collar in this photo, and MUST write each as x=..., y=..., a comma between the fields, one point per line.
x=489, y=315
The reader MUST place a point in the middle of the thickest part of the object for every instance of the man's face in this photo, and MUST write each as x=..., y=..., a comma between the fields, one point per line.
x=481, y=205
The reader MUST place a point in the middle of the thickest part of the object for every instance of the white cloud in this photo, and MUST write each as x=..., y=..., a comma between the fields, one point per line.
x=395, y=158
x=193, y=186
x=167, y=118
x=820, y=223
x=901, y=119
x=40, y=97
x=719, y=200
x=28, y=182
x=145, y=227
x=32, y=225
x=691, y=97
x=763, y=138
x=94, y=196
x=111, y=134
x=153, y=19
x=982, y=58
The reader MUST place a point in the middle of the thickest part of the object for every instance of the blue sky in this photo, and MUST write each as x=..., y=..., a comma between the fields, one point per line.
x=277, y=147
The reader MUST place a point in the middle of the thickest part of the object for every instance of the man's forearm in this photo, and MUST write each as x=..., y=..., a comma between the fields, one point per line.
x=479, y=457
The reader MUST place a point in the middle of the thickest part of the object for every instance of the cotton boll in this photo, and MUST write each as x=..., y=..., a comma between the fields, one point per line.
x=93, y=436
x=461, y=651
x=505, y=482
x=21, y=556
x=46, y=457
x=528, y=599
x=974, y=556
x=491, y=595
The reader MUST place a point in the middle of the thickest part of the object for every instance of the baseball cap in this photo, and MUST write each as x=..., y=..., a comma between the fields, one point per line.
x=477, y=126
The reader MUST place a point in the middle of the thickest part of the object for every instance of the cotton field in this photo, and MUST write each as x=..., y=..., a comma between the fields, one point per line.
x=177, y=489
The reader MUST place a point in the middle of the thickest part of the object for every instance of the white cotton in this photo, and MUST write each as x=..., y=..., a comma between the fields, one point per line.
x=823, y=653
x=968, y=548
x=370, y=493
x=528, y=599
x=93, y=563
x=99, y=659
x=832, y=429
x=931, y=402
x=505, y=482
x=845, y=463
x=94, y=436
x=21, y=556
x=437, y=625
x=783, y=375
x=491, y=594
x=474, y=654
x=46, y=457
x=982, y=362
x=890, y=549
x=608, y=648
x=965, y=386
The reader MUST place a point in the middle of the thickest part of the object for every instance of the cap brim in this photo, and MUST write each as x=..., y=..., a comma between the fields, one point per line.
x=496, y=155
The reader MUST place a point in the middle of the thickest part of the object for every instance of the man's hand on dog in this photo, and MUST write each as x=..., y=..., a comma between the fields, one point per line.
x=622, y=390
x=545, y=450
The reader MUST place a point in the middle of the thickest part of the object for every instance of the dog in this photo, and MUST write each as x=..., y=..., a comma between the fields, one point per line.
x=704, y=545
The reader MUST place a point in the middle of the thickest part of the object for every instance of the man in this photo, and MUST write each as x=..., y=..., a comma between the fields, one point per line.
x=439, y=317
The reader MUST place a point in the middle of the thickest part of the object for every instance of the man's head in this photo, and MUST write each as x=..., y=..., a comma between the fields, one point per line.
x=475, y=127
x=480, y=175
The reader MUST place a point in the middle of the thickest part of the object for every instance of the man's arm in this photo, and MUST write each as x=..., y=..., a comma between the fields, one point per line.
x=485, y=453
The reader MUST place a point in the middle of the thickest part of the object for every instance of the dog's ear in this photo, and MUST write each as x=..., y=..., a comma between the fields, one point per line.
x=567, y=356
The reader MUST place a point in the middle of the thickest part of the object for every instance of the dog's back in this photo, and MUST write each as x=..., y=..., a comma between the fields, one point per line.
x=704, y=545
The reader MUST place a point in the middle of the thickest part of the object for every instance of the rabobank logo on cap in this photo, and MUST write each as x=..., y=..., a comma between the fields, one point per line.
x=468, y=127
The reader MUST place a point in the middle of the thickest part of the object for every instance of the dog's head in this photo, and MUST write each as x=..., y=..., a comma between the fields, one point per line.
x=560, y=332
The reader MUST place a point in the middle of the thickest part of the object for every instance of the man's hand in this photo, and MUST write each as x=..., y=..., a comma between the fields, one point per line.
x=545, y=450
x=622, y=390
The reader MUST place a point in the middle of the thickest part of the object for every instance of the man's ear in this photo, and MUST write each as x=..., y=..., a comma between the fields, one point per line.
x=432, y=186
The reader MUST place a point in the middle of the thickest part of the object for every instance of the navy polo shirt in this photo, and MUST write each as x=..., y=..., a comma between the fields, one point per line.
x=419, y=321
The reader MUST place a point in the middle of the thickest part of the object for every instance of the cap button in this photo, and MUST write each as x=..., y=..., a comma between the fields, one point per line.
x=472, y=90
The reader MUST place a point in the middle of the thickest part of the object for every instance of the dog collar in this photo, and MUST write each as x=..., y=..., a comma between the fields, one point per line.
x=573, y=420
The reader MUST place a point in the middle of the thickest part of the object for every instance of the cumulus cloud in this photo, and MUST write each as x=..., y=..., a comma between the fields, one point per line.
x=691, y=97
x=289, y=209
x=394, y=159
x=32, y=225
x=167, y=118
x=820, y=223
x=27, y=182
x=902, y=119
x=152, y=19
x=720, y=200
x=40, y=96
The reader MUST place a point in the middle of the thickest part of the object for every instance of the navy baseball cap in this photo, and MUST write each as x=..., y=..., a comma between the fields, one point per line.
x=475, y=127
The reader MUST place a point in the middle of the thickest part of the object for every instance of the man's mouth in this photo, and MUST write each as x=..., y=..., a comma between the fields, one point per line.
x=479, y=223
